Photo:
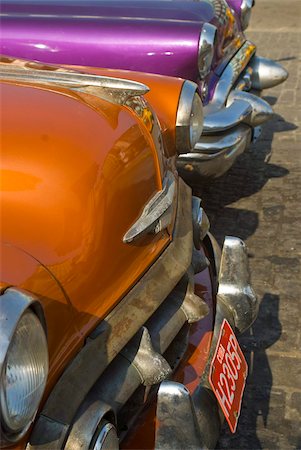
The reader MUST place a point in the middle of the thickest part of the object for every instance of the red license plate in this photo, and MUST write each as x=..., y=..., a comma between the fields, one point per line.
x=228, y=373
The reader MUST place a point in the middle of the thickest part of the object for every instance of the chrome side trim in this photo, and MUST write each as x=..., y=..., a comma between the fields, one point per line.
x=114, y=90
x=206, y=49
x=157, y=214
x=229, y=76
x=266, y=73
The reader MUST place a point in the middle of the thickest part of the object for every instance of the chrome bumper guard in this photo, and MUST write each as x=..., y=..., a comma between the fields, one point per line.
x=230, y=107
x=126, y=350
x=194, y=422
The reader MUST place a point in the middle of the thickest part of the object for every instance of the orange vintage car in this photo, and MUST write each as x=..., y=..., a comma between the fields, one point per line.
x=113, y=293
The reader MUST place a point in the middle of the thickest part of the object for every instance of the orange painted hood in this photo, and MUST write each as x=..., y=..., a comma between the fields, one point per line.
x=163, y=96
x=75, y=175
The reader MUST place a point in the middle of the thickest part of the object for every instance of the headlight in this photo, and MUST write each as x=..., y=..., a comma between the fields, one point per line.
x=245, y=13
x=189, y=123
x=206, y=49
x=24, y=366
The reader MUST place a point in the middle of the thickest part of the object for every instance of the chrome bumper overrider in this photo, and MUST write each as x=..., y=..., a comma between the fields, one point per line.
x=266, y=73
x=198, y=418
x=214, y=155
x=230, y=107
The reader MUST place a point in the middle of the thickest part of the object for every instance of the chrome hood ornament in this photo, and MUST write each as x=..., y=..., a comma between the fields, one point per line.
x=158, y=212
x=114, y=90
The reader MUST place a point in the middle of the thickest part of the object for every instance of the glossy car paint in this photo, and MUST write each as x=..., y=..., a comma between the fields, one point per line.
x=165, y=110
x=72, y=158
x=156, y=9
x=155, y=37
x=235, y=5
x=74, y=178
x=105, y=42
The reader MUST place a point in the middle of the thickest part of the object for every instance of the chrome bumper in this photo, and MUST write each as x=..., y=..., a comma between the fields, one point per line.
x=223, y=137
x=125, y=351
x=214, y=155
x=198, y=418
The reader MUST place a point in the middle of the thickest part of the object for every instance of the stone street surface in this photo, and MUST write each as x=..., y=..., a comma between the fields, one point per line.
x=259, y=200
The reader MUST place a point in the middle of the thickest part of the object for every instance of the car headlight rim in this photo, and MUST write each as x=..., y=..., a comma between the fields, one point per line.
x=189, y=122
x=23, y=379
x=245, y=13
x=207, y=43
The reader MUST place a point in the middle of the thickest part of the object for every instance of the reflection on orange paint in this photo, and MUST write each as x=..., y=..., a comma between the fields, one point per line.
x=165, y=106
x=76, y=173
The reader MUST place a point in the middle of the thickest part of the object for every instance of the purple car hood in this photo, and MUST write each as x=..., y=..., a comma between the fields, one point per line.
x=155, y=9
x=150, y=36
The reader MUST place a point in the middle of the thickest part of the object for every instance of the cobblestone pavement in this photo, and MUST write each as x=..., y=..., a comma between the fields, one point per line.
x=259, y=200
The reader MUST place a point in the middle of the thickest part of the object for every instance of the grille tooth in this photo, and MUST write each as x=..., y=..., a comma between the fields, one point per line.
x=194, y=307
x=151, y=365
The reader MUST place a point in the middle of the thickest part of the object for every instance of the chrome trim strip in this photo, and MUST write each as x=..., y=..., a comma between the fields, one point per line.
x=229, y=76
x=114, y=90
x=206, y=49
x=155, y=217
x=87, y=17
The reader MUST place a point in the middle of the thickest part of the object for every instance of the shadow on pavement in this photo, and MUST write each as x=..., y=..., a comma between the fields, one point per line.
x=247, y=176
x=265, y=331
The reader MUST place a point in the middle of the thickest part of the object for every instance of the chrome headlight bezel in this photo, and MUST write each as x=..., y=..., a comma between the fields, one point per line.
x=245, y=13
x=15, y=305
x=206, y=49
x=190, y=109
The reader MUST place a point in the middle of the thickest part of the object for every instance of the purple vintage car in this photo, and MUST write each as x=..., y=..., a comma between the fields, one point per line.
x=201, y=41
